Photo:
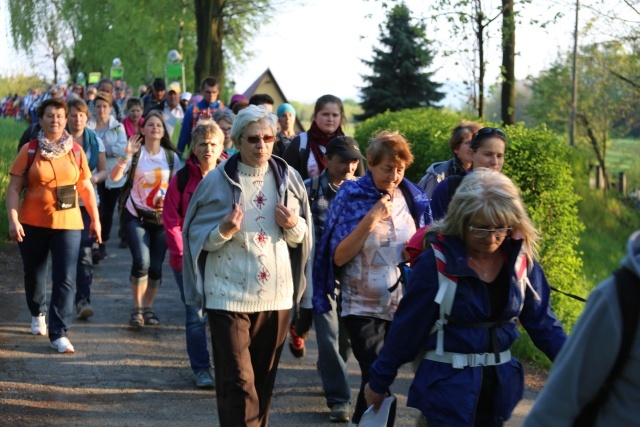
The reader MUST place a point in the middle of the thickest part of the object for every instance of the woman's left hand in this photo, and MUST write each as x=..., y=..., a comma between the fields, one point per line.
x=285, y=217
x=373, y=398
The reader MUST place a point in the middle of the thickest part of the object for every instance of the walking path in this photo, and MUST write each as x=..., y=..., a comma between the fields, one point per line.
x=120, y=376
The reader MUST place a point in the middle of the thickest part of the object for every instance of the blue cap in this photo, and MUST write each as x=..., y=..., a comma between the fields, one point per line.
x=286, y=108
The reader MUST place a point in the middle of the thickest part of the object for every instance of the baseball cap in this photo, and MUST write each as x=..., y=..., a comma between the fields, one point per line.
x=175, y=86
x=345, y=147
x=159, y=84
x=186, y=96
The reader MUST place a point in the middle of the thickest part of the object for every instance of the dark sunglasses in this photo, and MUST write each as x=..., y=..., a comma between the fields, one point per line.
x=255, y=139
x=487, y=131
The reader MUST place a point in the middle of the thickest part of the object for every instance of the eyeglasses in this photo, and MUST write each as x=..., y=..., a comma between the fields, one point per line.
x=254, y=139
x=482, y=233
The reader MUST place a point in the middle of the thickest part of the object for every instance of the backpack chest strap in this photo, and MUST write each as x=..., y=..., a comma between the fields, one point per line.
x=461, y=361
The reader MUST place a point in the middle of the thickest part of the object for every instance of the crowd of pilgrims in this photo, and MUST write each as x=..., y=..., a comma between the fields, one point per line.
x=271, y=232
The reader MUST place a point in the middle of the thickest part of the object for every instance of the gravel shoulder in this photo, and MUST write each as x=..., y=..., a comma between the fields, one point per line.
x=120, y=376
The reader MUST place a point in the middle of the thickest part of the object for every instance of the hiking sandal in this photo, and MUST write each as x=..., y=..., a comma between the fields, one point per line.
x=150, y=317
x=137, y=318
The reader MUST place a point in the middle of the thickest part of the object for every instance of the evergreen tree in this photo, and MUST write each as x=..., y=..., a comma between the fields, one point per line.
x=398, y=80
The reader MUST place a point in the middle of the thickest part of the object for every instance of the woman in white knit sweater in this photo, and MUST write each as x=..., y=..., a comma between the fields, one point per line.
x=242, y=221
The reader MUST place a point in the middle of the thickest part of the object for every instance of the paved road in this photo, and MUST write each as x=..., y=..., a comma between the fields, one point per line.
x=120, y=376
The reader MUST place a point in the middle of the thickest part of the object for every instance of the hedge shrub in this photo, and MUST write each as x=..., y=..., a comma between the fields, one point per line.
x=537, y=161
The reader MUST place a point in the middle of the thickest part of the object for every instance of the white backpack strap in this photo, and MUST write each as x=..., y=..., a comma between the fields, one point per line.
x=444, y=298
x=303, y=141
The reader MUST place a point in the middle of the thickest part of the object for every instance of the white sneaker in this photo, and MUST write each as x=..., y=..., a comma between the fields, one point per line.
x=62, y=345
x=38, y=325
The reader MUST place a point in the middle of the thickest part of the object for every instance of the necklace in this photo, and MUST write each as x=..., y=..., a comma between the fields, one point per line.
x=483, y=272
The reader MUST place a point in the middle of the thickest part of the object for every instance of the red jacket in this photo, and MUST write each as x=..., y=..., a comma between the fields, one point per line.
x=175, y=208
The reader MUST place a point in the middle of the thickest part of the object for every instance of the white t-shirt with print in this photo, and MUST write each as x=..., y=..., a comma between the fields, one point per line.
x=151, y=180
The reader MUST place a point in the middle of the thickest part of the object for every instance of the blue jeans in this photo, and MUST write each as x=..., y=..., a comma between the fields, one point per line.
x=196, y=331
x=84, y=269
x=333, y=352
x=63, y=245
x=148, y=246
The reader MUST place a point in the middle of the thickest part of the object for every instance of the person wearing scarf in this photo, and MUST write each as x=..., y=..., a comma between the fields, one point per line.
x=94, y=149
x=366, y=228
x=48, y=220
x=306, y=151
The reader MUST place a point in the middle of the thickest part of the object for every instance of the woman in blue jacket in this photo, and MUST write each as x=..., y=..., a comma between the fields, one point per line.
x=477, y=277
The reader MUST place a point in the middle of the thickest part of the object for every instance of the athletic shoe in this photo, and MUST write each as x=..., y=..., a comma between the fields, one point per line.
x=296, y=344
x=38, y=325
x=204, y=379
x=83, y=309
x=340, y=412
x=62, y=345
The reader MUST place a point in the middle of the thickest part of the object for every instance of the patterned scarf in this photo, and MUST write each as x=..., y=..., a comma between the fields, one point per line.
x=318, y=138
x=350, y=205
x=54, y=149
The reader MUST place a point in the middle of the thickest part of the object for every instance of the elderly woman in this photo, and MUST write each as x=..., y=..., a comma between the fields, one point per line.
x=112, y=134
x=97, y=160
x=366, y=228
x=52, y=170
x=247, y=238
x=207, y=142
x=460, y=145
x=487, y=150
x=475, y=281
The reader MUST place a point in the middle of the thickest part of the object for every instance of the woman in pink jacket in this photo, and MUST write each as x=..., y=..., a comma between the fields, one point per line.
x=208, y=142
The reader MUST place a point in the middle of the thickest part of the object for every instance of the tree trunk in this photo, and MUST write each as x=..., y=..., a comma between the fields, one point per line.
x=508, y=64
x=600, y=150
x=481, y=65
x=210, y=31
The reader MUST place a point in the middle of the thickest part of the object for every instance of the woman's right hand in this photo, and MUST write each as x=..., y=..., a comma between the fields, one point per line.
x=16, y=232
x=231, y=222
x=382, y=209
x=373, y=398
x=133, y=145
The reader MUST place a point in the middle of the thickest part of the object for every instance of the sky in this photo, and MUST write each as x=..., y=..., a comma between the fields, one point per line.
x=316, y=47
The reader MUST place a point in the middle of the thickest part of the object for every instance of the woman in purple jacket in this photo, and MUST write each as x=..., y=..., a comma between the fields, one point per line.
x=208, y=142
x=479, y=268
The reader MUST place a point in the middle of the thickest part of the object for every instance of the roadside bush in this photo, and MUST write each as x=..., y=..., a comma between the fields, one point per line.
x=538, y=162
x=10, y=132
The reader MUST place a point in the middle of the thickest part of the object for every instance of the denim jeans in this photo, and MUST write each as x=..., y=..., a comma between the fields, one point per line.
x=148, y=247
x=63, y=245
x=84, y=270
x=333, y=352
x=196, y=331
x=108, y=201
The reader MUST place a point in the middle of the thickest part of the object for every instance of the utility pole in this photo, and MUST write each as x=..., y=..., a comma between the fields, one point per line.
x=574, y=92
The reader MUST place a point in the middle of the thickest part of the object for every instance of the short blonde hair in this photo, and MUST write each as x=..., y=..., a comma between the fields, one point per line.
x=494, y=195
x=391, y=144
x=204, y=129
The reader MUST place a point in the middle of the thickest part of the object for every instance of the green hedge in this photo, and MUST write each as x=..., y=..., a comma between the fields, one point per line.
x=10, y=133
x=537, y=162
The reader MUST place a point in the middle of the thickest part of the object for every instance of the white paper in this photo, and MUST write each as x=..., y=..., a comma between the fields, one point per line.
x=377, y=419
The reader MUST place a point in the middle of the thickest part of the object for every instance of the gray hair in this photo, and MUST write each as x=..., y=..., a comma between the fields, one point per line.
x=225, y=114
x=204, y=129
x=249, y=115
x=494, y=195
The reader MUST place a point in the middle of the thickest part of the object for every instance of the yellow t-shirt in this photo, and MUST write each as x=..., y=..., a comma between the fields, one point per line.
x=38, y=208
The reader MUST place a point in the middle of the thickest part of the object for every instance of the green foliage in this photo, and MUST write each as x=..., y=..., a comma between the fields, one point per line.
x=427, y=129
x=10, y=132
x=19, y=84
x=398, y=81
